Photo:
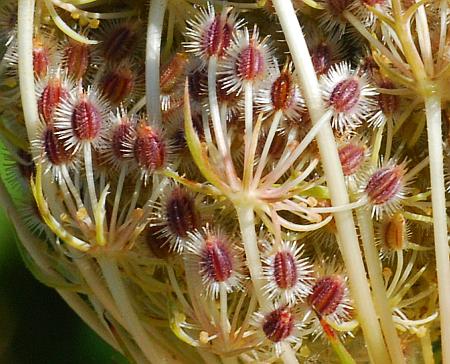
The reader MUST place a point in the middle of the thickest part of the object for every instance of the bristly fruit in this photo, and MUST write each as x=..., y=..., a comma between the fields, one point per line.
x=385, y=188
x=279, y=324
x=288, y=275
x=179, y=215
x=210, y=34
x=327, y=294
x=218, y=260
x=150, y=149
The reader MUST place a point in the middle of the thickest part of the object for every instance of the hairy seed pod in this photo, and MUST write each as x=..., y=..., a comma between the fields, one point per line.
x=149, y=148
x=384, y=184
x=352, y=157
x=173, y=72
x=278, y=324
x=285, y=270
x=120, y=139
x=394, y=232
x=388, y=103
x=327, y=294
x=55, y=150
x=86, y=120
x=52, y=94
x=76, y=59
x=345, y=95
x=117, y=84
x=321, y=58
x=181, y=213
x=216, y=262
x=41, y=58
x=119, y=42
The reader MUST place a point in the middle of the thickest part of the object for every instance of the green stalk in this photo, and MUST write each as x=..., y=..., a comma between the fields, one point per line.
x=338, y=348
x=338, y=192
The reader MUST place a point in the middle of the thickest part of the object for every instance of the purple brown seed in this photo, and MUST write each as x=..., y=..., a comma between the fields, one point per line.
x=278, y=324
x=327, y=294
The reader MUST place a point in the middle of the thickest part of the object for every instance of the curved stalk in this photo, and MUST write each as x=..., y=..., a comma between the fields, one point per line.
x=119, y=292
x=333, y=171
x=153, y=58
x=434, y=129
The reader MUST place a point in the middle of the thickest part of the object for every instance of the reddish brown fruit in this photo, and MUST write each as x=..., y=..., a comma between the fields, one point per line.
x=216, y=261
x=182, y=215
x=173, y=72
x=120, y=42
x=321, y=58
x=216, y=38
x=278, y=324
x=55, y=150
x=86, y=120
x=41, y=58
x=393, y=232
x=345, y=95
x=117, y=84
x=76, y=59
x=250, y=63
x=352, y=157
x=52, y=94
x=385, y=184
x=285, y=270
x=149, y=148
x=327, y=294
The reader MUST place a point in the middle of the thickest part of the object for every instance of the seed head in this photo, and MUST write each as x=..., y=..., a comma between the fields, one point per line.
x=52, y=152
x=287, y=274
x=218, y=260
x=352, y=156
x=150, y=149
x=349, y=96
x=325, y=51
x=117, y=144
x=42, y=56
x=247, y=60
x=385, y=188
x=117, y=83
x=327, y=294
x=53, y=92
x=81, y=117
x=278, y=325
x=393, y=232
x=281, y=93
x=118, y=40
x=387, y=106
x=210, y=34
x=173, y=72
x=178, y=216
x=76, y=59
